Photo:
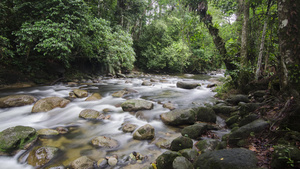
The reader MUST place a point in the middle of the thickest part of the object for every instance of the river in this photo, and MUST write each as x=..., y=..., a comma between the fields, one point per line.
x=76, y=142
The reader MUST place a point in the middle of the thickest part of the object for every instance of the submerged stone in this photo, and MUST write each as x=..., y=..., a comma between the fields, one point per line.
x=40, y=156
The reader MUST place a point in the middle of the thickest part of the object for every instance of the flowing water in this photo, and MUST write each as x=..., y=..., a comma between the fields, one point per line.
x=76, y=142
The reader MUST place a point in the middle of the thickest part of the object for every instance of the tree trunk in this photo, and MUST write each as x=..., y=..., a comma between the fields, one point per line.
x=244, y=40
x=262, y=45
x=289, y=42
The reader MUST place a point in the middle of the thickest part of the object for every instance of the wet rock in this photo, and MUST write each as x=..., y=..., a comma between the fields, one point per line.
x=180, y=143
x=178, y=117
x=15, y=138
x=93, y=97
x=124, y=92
x=16, y=101
x=91, y=114
x=169, y=106
x=163, y=143
x=47, y=132
x=40, y=156
x=79, y=93
x=227, y=159
x=145, y=132
x=146, y=83
x=165, y=160
x=112, y=161
x=243, y=132
x=49, y=103
x=224, y=110
x=105, y=142
x=187, y=84
x=154, y=80
x=120, y=75
x=236, y=99
x=55, y=166
x=207, y=145
x=231, y=120
x=246, y=108
x=205, y=114
x=194, y=131
x=136, y=105
x=182, y=163
x=248, y=119
x=62, y=130
x=129, y=128
x=83, y=163
x=102, y=163
x=285, y=155
x=189, y=154
x=211, y=85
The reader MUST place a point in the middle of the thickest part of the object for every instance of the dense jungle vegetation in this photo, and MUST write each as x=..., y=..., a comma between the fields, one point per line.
x=251, y=39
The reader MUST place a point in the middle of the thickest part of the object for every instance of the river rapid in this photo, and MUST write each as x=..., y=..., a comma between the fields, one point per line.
x=76, y=142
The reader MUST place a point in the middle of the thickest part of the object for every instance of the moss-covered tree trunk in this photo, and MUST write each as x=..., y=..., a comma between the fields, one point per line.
x=289, y=42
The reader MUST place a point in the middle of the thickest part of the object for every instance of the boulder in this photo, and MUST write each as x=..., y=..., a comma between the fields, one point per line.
x=136, y=105
x=47, y=132
x=15, y=138
x=243, y=132
x=79, y=93
x=123, y=92
x=207, y=145
x=91, y=114
x=248, y=119
x=189, y=154
x=145, y=132
x=227, y=159
x=194, y=131
x=205, y=114
x=163, y=143
x=93, y=97
x=128, y=128
x=182, y=163
x=246, y=108
x=187, y=84
x=284, y=156
x=16, y=101
x=83, y=163
x=231, y=120
x=181, y=143
x=47, y=104
x=146, y=83
x=39, y=156
x=165, y=160
x=169, y=106
x=224, y=110
x=179, y=117
x=105, y=142
x=236, y=99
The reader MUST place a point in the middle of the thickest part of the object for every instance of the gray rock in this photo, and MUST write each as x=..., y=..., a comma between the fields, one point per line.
x=244, y=131
x=205, y=114
x=91, y=114
x=231, y=120
x=16, y=101
x=128, y=128
x=181, y=143
x=227, y=159
x=207, y=145
x=145, y=132
x=248, y=119
x=105, y=142
x=194, y=131
x=135, y=105
x=83, y=163
x=179, y=117
x=246, y=108
x=169, y=106
x=39, y=156
x=49, y=103
x=182, y=163
x=224, y=110
x=124, y=92
x=15, y=138
x=189, y=154
x=187, y=84
x=236, y=99
x=165, y=160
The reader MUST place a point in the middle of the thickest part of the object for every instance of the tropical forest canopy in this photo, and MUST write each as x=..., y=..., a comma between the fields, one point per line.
x=252, y=39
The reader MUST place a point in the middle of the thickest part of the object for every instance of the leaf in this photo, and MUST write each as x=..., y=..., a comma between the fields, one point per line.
x=252, y=148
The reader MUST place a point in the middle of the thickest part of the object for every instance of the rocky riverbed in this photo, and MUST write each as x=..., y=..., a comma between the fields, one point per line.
x=130, y=122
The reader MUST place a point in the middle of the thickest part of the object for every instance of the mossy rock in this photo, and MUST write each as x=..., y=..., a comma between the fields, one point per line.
x=205, y=114
x=207, y=145
x=165, y=160
x=194, y=131
x=136, y=105
x=145, y=132
x=15, y=138
x=179, y=117
x=285, y=156
x=182, y=163
x=181, y=143
x=39, y=156
x=189, y=154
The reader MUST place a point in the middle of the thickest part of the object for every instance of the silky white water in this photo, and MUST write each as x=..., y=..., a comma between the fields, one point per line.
x=77, y=142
